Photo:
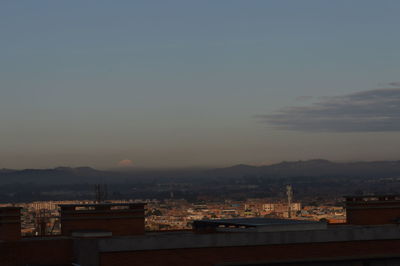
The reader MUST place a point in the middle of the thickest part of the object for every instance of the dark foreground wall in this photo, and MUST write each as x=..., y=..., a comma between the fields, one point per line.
x=261, y=255
x=36, y=252
x=354, y=244
x=346, y=242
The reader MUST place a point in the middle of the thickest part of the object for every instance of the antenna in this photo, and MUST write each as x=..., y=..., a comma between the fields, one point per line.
x=41, y=222
x=101, y=193
x=289, y=193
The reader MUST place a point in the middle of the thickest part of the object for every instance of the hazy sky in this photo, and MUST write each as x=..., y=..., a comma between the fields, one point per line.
x=197, y=83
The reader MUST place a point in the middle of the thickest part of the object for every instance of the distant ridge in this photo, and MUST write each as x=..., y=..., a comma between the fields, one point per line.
x=286, y=169
x=58, y=175
x=317, y=167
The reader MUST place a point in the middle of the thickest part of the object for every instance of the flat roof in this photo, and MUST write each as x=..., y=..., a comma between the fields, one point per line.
x=184, y=240
x=100, y=204
x=372, y=196
x=253, y=222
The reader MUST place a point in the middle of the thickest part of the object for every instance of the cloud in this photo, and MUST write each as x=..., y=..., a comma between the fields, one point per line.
x=394, y=84
x=125, y=163
x=303, y=98
x=367, y=111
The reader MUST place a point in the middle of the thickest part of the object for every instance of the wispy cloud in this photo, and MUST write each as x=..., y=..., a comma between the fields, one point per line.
x=304, y=98
x=367, y=111
x=395, y=84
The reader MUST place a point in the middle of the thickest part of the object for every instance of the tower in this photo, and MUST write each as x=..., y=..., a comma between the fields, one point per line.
x=289, y=193
x=101, y=193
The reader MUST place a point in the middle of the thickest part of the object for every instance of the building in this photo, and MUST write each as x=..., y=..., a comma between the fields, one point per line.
x=113, y=234
x=368, y=210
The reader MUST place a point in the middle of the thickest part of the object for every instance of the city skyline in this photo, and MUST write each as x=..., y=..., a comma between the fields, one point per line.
x=197, y=84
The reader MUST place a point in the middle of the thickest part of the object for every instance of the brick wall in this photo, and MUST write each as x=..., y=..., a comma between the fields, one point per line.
x=373, y=216
x=248, y=254
x=373, y=210
x=118, y=227
x=127, y=219
x=10, y=223
x=39, y=252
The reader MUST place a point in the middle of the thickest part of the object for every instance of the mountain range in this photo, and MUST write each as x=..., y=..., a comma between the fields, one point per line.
x=309, y=168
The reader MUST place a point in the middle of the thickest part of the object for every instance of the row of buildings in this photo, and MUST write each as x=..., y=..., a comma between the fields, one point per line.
x=115, y=234
x=42, y=218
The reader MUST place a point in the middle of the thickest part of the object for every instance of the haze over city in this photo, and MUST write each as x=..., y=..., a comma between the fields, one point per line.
x=197, y=84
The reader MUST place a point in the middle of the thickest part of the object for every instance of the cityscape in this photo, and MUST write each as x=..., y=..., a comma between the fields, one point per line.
x=200, y=133
x=42, y=218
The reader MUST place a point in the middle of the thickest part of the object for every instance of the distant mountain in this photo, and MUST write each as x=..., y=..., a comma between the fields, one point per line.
x=5, y=170
x=317, y=168
x=59, y=175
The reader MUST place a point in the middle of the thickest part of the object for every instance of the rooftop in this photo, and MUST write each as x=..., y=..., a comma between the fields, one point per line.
x=372, y=197
x=102, y=204
x=254, y=222
x=176, y=240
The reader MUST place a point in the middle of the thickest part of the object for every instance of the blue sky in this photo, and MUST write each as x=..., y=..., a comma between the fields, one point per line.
x=187, y=83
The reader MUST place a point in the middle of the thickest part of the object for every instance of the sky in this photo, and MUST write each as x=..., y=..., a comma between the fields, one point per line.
x=159, y=84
